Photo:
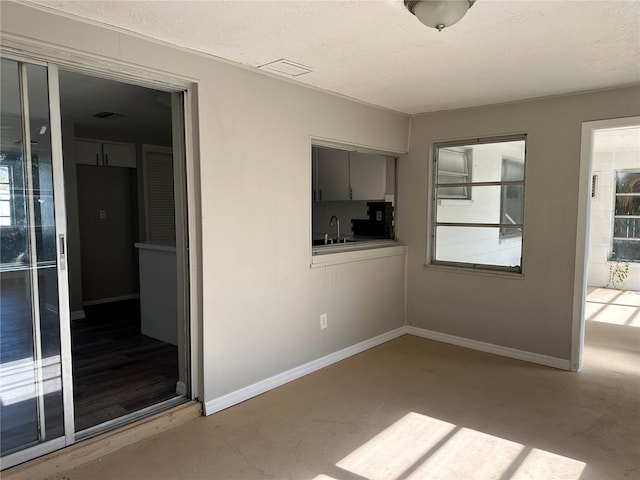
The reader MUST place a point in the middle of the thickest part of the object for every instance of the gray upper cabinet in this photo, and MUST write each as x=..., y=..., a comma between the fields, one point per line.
x=342, y=175
x=367, y=175
x=105, y=154
x=331, y=168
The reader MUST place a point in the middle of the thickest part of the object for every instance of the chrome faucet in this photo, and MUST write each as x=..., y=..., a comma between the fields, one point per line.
x=338, y=227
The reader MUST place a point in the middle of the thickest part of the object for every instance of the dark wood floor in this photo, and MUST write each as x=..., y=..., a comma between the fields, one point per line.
x=18, y=398
x=116, y=369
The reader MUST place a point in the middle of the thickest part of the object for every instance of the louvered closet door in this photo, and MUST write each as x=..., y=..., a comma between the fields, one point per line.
x=158, y=195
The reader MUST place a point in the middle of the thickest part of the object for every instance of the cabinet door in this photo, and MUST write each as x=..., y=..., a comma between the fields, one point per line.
x=119, y=155
x=368, y=174
x=88, y=152
x=333, y=174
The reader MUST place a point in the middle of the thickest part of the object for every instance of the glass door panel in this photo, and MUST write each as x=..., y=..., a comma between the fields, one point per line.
x=31, y=394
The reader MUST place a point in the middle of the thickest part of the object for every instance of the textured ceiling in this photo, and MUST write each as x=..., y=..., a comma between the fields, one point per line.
x=375, y=51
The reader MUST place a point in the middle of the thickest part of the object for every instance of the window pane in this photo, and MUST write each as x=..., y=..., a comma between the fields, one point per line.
x=512, y=170
x=453, y=192
x=452, y=161
x=477, y=245
x=510, y=232
x=627, y=182
x=447, y=178
x=486, y=160
x=5, y=192
x=5, y=209
x=626, y=250
x=512, y=204
x=4, y=174
x=627, y=205
x=492, y=204
x=626, y=227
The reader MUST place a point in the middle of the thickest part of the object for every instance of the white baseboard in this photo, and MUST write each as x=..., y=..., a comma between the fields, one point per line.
x=561, y=363
x=270, y=383
x=181, y=388
x=100, y=301
x=233, y=398
x=78, y=315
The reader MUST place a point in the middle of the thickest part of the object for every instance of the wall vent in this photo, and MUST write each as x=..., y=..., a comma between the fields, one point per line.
x=285, y=67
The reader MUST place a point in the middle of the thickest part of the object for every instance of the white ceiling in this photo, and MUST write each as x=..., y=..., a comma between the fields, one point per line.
x=376, y=52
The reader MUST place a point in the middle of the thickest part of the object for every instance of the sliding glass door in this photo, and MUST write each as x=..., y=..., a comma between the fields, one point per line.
x=38, y=369
x=34, y=336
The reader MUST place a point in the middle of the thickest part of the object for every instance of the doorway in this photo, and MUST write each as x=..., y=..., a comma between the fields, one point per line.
x=608, y=249
x=125, y=354
x=93, y=239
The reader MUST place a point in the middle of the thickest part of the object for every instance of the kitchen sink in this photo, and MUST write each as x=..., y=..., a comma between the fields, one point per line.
x=320, y=242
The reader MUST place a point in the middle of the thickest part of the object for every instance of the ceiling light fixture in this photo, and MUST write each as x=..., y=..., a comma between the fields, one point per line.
x=438, y=13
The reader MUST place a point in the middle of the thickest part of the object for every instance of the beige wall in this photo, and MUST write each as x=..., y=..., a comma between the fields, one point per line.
x=261, y=299
x=533, y=312
x=106, y=245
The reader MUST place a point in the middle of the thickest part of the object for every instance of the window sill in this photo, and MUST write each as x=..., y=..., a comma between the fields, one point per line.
x=475, y=271
x=355, y=252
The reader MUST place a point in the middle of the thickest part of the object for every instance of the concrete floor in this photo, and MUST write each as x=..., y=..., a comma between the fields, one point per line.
x=414, y=408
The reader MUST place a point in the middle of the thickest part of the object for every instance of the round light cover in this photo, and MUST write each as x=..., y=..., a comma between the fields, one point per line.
x=440, y=13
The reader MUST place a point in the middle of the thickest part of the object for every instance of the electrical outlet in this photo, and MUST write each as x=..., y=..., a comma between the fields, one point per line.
x=323, y=321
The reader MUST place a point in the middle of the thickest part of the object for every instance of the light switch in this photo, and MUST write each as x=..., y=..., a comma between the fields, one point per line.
x=102, y=214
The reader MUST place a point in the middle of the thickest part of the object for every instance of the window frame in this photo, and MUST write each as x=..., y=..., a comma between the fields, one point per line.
x=436, y=201
x=612, y=256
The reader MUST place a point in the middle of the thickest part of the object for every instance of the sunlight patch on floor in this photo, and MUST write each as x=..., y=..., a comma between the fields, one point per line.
x=465, y=455
x=418, y=446
x=18, y=379
x=611, y=306
x=542, y=464
x=386, y=456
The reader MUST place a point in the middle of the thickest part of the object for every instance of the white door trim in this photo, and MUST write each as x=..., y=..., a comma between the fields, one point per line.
x=64, y=314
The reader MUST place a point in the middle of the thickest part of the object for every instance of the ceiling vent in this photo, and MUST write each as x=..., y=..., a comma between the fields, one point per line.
x=285, y=67
x=107, y=115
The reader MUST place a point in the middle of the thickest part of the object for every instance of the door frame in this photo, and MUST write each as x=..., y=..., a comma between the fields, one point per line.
x=189, y=166
x=582, y=233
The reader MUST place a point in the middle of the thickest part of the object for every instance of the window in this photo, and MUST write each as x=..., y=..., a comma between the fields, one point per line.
x=626, y=220
x=485, y=232
x=5, y=195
